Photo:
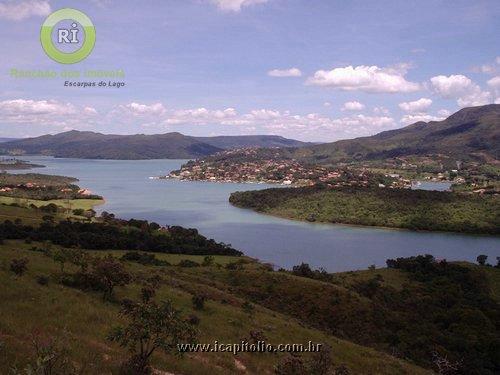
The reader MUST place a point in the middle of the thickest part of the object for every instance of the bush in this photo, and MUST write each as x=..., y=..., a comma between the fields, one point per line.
x=42, y=280
x=143, y=258
x=199, y=301
x=78, y=212
x=19, y=266
x=188, y=263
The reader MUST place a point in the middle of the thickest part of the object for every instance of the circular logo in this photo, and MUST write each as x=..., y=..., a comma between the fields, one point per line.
x=57, y=49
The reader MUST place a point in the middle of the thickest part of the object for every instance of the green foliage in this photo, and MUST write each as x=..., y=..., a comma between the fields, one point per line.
x=481, y=259
x=19, y=266
x=208, y=261
x=188, y=263
x=151, y=326
x=42, y=280
x=119, y=234
x=143, y=258
x=398, y=208
x=199, y=301
x=110, y=273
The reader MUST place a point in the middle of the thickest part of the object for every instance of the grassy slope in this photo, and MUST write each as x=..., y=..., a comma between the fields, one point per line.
x=33, y=217
x=27, y=306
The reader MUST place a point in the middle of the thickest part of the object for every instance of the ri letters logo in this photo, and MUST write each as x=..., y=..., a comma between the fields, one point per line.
x=67, y=36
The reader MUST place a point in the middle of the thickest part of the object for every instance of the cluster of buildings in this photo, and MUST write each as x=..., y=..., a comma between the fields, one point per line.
x=272, y=171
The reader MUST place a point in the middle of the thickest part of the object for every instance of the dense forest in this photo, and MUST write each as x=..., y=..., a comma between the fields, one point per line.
x=118, y=234
x=395, y=208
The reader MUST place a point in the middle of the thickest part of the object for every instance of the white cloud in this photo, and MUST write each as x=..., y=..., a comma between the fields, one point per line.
x=353, y=106
x=200, y=116
x=417, y=106
x=365, y=78
x=21, y=108
x=327, y=104
x=19, y=10
x=459, y=87
x=412, y=118
x=444, y=113
x=292, y=72
x=235, y=5
x=137, y=109
x=494, y=82
x=490, y=68
x=28, y=117
x=418, y=50
x=381, y=111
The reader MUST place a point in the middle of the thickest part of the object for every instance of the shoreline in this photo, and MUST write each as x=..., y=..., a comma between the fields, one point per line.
x=399, y=229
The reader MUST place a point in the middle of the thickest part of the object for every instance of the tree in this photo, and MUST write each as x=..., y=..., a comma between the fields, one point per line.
x=151, y=326
x=62, y=256
x=80, y=258
x=19, y=266
x=110, y=273
x=199, y=301
x=481, y=259
x=208, y=261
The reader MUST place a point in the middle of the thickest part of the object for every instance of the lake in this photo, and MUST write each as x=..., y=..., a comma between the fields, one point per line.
x=129, y=193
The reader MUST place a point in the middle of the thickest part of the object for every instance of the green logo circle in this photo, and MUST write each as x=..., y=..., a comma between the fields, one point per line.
x=49, y=46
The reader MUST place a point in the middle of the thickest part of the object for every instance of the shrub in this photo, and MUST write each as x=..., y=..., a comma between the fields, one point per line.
x=188, y=263
x=78, y=211
x=481, y=259
x=19, y=266
x=199, y=301
x=42, y=280
x=151, y=327
x=208, y=261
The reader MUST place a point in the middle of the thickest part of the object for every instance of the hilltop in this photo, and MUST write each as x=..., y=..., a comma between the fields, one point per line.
x=91, y=145
x=470, y=133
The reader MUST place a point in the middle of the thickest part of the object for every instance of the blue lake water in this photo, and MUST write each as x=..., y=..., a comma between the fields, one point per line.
x=204, y=205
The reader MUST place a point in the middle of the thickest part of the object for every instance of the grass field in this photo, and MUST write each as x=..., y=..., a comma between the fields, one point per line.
x=33, y=217
x=27, y=306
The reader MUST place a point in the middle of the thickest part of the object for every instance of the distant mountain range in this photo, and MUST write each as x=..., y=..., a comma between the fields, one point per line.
x=469, y=133
x=90, y=145
x=8, y=139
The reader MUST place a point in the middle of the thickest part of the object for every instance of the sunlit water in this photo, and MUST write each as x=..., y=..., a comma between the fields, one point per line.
x=204, y=205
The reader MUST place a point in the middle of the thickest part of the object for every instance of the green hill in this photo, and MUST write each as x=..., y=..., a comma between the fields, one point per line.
x=91, y=145
x=469, y=133
x=81, y=319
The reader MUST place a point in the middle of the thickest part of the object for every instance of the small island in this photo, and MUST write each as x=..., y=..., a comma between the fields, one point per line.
x=16, y=164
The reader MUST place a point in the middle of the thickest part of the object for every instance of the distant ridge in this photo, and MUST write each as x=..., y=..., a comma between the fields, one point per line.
x=91, y=145
x=469, y=133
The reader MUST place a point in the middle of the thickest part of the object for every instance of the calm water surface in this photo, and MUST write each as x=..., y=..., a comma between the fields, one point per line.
x=204, y=205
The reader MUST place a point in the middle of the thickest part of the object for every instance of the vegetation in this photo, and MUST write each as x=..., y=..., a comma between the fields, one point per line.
x=41, y=187
x=118, y=234
x=71, y=326
x=90, y=145
x=395, y=208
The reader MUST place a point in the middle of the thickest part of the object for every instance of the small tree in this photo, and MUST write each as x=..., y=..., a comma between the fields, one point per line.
x=199, y=301
x=62, y=256
x=80, y=258
x=151, y=327
x=110, y=273
x=208, y=261
x=19, y=266
x=290, y=364
x=481, y=259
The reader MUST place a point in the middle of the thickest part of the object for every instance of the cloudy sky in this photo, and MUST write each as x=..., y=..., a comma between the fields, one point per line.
x=317, y=70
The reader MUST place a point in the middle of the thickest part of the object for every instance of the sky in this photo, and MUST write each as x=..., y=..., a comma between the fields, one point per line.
x=313, y=70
